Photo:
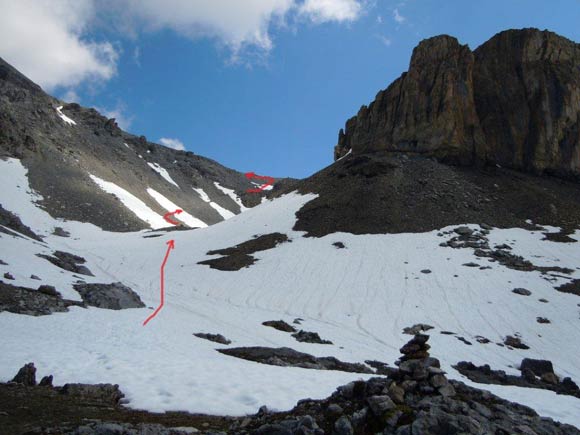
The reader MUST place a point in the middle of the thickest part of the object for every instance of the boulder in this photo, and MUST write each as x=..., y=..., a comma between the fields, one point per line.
x=115, y=296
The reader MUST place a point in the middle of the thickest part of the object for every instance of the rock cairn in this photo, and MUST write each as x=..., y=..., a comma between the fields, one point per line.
x=418, y=371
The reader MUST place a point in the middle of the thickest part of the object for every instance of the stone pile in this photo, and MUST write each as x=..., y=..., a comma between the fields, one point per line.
x=418, y=371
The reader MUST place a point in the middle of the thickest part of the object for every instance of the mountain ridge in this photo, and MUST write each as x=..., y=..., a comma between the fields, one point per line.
x=67, y=148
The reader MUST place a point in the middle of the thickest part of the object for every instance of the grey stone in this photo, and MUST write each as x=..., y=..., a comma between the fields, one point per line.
x=438, y=381
x=342, y=426
x=397, y=393
x=380, y=404
x=334, y=409
x=447, y=390
x=115, y=296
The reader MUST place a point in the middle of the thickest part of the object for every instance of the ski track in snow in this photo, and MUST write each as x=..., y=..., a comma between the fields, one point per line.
x=360, y=297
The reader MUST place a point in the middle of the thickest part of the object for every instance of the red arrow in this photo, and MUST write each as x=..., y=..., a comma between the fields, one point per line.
x=166, y=216
x=170, y=246
x=269, y=182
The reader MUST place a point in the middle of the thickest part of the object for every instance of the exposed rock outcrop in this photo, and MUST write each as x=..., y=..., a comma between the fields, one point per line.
x=514, y=101
x=115, y=296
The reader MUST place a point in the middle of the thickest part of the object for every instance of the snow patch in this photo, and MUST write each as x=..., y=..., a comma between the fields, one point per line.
x=349, y=152
x=232, y=194
x=65, y=118
x=138, y=207
x=225, y=213
x=162, y=171
x=170, y=206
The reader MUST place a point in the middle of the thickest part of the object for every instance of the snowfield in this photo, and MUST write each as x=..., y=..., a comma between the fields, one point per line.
x=360, y=297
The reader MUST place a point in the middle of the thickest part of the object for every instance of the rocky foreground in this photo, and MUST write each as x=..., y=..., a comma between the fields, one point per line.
x=415, y=398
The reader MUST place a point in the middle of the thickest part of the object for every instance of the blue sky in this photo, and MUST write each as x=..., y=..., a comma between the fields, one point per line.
x=269, y=96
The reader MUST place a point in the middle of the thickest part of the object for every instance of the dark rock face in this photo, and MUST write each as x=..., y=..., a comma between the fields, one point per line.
x=531, y=120
x=67, y=261
x=238, y=257
x=573, y=287
x=26, y=375
x=537, y=366
x=309, y=337
x=515, y=342
x=216, y=338
x=286, y=357
x=534, y=374
x=280, y=325
x=514, y=101
x=41, y=302
x=428, y=110
x=115, y=296
x=10, y=220
x=99, y=393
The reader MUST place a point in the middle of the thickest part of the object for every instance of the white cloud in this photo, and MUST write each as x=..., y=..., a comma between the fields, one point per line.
x=379, y=19
x=234, y=23
x=176, y=144
x=386, y=41
x=44, y=40
x=70, y=96
x=398, y=17
x=50, y=42
x=321, y=11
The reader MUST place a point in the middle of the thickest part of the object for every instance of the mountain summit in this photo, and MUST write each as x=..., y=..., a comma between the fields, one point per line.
x=514, y=101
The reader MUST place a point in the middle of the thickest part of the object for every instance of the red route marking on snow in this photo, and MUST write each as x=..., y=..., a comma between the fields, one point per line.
x=171, y=213
x=269, y=182
x=170, y=246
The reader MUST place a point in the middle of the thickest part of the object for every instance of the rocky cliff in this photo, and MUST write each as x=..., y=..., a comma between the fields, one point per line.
x=514, y=101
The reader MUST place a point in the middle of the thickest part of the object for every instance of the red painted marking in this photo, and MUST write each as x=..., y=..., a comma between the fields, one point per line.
x=269, y=182
x=166, y=216
x=170, y=246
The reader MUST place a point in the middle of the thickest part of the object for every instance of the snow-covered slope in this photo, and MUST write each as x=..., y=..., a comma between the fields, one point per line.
x=360, y=297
